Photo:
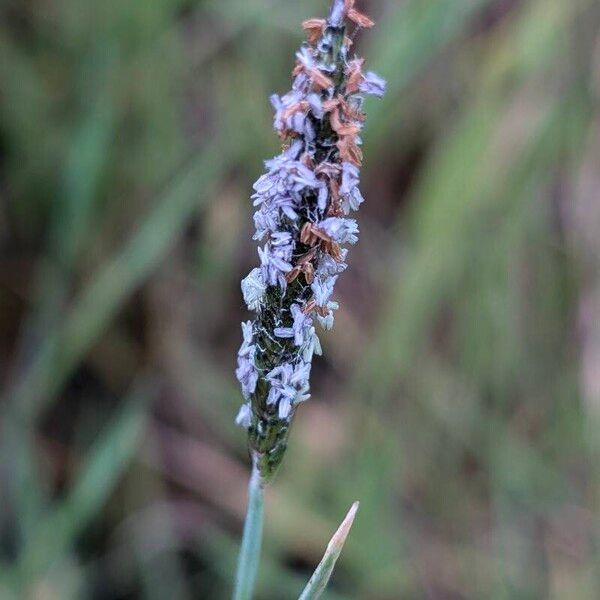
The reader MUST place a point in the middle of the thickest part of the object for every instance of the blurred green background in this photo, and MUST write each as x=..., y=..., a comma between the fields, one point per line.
x=459, y=394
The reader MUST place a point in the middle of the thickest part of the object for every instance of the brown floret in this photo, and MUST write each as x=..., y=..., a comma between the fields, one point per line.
x=360, y=19
x=314, y=29
x=354, y=75
x=349, y=150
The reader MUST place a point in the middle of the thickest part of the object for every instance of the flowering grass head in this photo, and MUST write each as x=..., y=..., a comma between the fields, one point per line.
x=302, y=222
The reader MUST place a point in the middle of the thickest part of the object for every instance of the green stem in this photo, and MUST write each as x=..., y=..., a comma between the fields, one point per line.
x=247, y=567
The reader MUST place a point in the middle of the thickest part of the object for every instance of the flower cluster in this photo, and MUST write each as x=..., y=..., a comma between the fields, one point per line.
x=302, y=206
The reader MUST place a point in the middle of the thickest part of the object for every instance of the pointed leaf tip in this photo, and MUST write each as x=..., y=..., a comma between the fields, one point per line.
x=315, y=587
x=339, y=537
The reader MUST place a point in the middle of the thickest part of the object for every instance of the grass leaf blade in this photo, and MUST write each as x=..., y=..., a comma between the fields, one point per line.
x=318, y=582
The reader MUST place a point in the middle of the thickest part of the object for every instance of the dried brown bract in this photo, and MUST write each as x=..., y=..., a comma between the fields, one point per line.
x=360, y=19
x=314, y=29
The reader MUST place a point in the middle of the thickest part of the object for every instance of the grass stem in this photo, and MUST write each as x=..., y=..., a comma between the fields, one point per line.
x=248, y=559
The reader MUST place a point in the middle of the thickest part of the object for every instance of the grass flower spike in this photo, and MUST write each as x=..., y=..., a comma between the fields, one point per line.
x=303, y=224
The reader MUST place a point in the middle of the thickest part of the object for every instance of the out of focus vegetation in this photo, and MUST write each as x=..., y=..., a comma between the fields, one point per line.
x=459, y=395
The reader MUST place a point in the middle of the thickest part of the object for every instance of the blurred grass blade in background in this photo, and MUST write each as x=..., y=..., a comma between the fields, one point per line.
x=108, y=458
x=112, y=285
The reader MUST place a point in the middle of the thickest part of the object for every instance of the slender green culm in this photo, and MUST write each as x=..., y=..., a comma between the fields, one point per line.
x=318, y=582
x=248, y=559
